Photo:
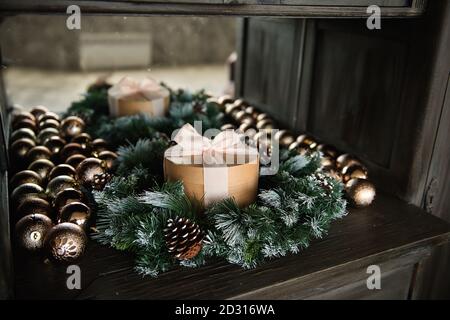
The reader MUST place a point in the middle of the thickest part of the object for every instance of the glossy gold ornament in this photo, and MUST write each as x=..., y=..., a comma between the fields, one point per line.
x=75, y=212
x=42, y=167
x=22, y=115
x=284, y=138
x=300, y=147
x=99, y=145
x=346, y=159
x=26, y=190
x=244, y=117
x=252, y=111
x=240, y=103
x=354, y=171
x=72, y=126
x=65, y=242
x=48, y=115
x=227, y=126
x=38, y=152
x=58, y=184
x=327, y=150
x=262, y=116
x=49, y=123
x=83, y=139
x=327, y=161
x=62, y=170
x=75, y=159
x=231, y=109
x=25, y=123
x=88, y=169
x=38, y=111
x=108, y=157
x=33, y=205
x=223, y=100
x=308, y=140
x=66, y=196
x=360, y=192
x=23, y=133
x=31, y=231
x=24, y=176
x=55, y=144
x=20, y=148
x=46, y=133
x=266, y=124
x=69, y=150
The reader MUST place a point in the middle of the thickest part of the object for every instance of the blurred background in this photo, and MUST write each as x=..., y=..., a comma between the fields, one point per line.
x=47, y=64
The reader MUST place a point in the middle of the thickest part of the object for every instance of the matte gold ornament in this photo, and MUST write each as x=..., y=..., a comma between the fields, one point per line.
x=22, y=115
x=108, y=157
x=46, y=133
x=42, y=167
x=69, y=150
x=88, y=169
x=184, y=238
x=48, y=115
x=49, y=123
x=83, y=139
x=33, y=205
x=66, y=242
x=24, y=176
x=72, y=126
x=38, y=152
x=354, y=171
x=305, y=139
x=66, y=196
x=31, y=231
x=25, y=123
x=346, y=159
x=227, y=126
x=26, y=190
x=99, y=145
x=327, y=150
x=62, y=170
x=75, y=159
x=55, y=144
x=20, y=148
x=284, y=138
x=265, y=124
x=300, y=147
x=38, y=111
x=23, y=133
x=75, y=212
x=58, y=184
x=360, y=192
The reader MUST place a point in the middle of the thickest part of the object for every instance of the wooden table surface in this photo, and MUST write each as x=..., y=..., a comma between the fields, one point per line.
x=382, y=232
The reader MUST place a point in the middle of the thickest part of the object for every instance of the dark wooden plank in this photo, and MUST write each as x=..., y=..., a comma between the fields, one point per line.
x=8, y=7
x=387, y=230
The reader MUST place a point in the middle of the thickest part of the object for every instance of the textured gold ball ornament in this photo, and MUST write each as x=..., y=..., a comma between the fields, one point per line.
x=66, y=196
x=99, y=145
x=75, y=212
x=46, y=133
x=360, y=192
x=24, y=176
x=72, y=126
x=38, y=152
x=303, y=138
x=66, y=242
x=55, y=144
x=26, y=190
x=38, y=111
x=70, y=149
x=75, y=159
x=227, y=126
x=108, y=157
x=20, y=148
x=284, y=138
x=42, y=167
x=31, y=231
x=88, y=169
x=23, y=133
x=58, y=184
x=62, y=170
x=48, y=115
x=354, y=171
x=33, y=205
x=49, y=123
x=346, y=159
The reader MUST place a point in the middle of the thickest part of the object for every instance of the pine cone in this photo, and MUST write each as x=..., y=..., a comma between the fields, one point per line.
x=184, y=238
x=100, y=180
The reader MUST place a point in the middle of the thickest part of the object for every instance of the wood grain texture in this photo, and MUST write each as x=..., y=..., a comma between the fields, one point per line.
x=387, y=230
x=235, y=8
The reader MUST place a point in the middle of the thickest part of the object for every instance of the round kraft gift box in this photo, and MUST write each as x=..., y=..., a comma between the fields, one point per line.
x=137, y=103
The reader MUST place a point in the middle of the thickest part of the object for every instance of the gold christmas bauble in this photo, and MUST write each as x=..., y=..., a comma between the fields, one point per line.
x=42, y=167
x=354, y=171
x=26, y=190
x=48, y=115
x=223, y=100
x=227, y=126
x=25, y=123
x=308, y=140
x=231, y=109
x=72, y=126
x=327, y=150
x=66, y=242
x=49, y=123
x=284, y=138
x=327, y=161
x=23, y=133
x=46, y=133
x=300, y=147
x=58, y=184
x=20, y=148
x=240, y=103
x=88, y=169
x=108, y=157
x=38, y=152
x=252, y=111
x=22, y=115
x=33, y=205
x=75, y=212
x=244, y=117
x=263, y=138
x=31, y=231
x=75, y=159
x=38, y=111
x=99, y=145
x=266, y=124
x=55, y=144
x=346, y=159
x=360, y=192
x=248, y=129
x=62, y=170
x=262, y=116
x=84, y=139
x=24, y=176
x=66, y=196
x=69, y=150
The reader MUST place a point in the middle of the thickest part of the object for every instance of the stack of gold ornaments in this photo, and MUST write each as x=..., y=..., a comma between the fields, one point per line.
x=55, y=163
x=259, y=125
